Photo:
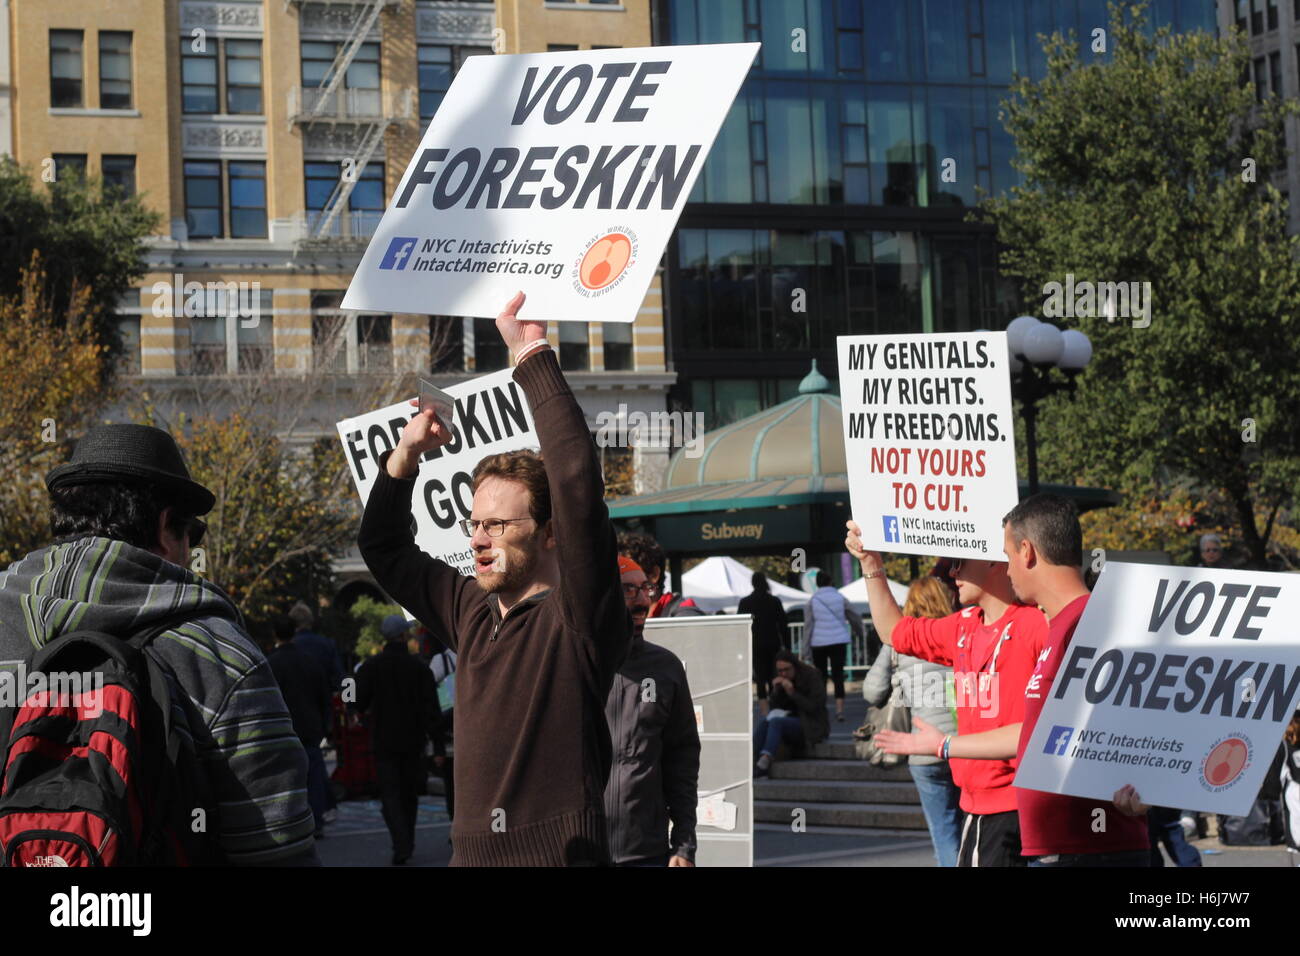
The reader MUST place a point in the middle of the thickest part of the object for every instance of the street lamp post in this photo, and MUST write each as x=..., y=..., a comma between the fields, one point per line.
x=1036, y=349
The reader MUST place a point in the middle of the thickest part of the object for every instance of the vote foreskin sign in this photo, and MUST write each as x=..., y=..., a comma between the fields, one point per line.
x=929, y=441
x=492, y=416
x=559, y=174
x=1179, y=681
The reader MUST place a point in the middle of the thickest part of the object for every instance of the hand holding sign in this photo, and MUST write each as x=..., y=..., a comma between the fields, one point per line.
x=515, y=332
x=423, y=433
x=871, y=561
x=1128, y=802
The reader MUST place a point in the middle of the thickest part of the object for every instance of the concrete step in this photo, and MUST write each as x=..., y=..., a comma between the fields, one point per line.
x=835, y=750
x=807, y=792
x=891, y=815
x=836, y=770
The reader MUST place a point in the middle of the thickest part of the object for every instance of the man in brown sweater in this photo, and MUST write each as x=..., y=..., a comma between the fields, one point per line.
x=536, y=649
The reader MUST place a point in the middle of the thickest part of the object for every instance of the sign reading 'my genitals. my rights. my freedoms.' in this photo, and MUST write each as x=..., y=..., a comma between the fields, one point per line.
x=929, y=442
x=1179, y=681
x=558, y=174
x=492, y=416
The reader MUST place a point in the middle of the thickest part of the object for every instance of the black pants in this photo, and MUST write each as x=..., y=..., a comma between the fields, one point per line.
x=401, y=778
x=991, y=839
x=834, y=653
x=764, y=667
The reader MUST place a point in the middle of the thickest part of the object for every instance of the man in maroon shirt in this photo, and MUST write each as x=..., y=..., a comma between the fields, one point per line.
x=1044, y=547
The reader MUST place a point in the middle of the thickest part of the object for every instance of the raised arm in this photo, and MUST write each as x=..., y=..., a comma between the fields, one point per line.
x=590, y=590
x=884, y=611
x=435, y=592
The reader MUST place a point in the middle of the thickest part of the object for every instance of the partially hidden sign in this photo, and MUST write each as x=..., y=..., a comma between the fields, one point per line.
x=929, y=441
x=492, y=416
x=558, y=174
x=1179, y=681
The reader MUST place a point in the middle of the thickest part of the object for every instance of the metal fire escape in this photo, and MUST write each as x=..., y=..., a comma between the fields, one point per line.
x=371, y=111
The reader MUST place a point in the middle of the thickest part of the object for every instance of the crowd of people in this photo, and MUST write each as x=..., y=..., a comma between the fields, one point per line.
x=575, y=739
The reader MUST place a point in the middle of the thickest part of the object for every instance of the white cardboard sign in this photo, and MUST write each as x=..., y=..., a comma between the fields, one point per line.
x=492, y=416
x=929, y=440
x=1179, y=681
x=558, y=174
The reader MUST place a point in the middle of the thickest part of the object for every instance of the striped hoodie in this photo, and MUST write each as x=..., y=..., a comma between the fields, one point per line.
x=232, y=707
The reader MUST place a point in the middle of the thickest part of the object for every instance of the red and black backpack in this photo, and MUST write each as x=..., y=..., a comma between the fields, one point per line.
x=95, y=769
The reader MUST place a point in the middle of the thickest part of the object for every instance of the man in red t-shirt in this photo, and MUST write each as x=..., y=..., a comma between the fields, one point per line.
x=1044, y=547
x=992, y=647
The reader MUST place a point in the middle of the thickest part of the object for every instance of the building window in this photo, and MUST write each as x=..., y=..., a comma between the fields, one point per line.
x=365, y=202
x=247, y=200
x=329, y=328
x=438, y=64
x=561, y=47
x=243, y=76
x=128, y=332
x=114, y=70
x=446, y=343
x=199, y=79
x=239, y=62
x=489, y=351
x=203, y=208
x=575, y=351
x=1272, y=14
x=618, y=346
x=65, y=68
x=119, y=175
x=69, y=164
x=1275, y=73
x=374, y=343
x=1261, y=80
x=255, y=343
x=1256, y=17
x=207, y=345
x=346, y=341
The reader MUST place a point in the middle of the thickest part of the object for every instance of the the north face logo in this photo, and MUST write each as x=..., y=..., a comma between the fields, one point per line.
x=51, y=860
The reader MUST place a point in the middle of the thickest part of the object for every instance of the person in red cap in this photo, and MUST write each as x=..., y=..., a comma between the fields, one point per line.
x=656, y=746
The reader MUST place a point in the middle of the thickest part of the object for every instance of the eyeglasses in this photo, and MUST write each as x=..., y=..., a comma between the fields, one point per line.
x=632, y=590
x=195, y=529
x=495, y=527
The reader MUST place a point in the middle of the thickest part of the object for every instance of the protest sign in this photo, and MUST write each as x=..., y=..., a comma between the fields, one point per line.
x=558, y=174
x=1179, y=681
x=492, y=416
x=929, y=441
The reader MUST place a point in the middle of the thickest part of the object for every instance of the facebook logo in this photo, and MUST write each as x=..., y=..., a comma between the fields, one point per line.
x=398, y=252
x=891, y=528
x=1057, y=740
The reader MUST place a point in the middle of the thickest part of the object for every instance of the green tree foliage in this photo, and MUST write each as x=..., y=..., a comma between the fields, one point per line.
x=88, y=238
x=53, y=377
x=1155, y=166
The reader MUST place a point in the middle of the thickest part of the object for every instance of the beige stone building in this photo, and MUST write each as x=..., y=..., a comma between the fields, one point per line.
x=270, y=136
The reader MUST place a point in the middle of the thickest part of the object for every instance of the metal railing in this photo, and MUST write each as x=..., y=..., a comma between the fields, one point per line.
x=856, y=663
x=308, y=104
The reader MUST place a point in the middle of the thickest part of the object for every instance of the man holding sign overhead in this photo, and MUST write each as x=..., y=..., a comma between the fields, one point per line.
x=536, y=650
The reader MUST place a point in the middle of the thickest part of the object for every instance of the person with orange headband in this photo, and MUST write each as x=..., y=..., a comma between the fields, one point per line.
x=656, y=768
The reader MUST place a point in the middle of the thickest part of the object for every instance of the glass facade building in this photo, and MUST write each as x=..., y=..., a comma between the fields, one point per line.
x=836, y=196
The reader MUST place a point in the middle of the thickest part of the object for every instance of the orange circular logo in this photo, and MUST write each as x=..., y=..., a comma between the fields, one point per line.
x=1226, y=761
x=605, y=261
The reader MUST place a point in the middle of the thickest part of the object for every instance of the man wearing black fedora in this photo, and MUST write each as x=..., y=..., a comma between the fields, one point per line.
x=125, y=515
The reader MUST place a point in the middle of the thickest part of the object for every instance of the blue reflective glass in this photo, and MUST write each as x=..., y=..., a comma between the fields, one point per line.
x=886, y=38
x=783, y=50
x=950, y=119
x=890, y=146
x=943, y=24
x=789, y=144
x=1004, y=40
x=727, y=170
